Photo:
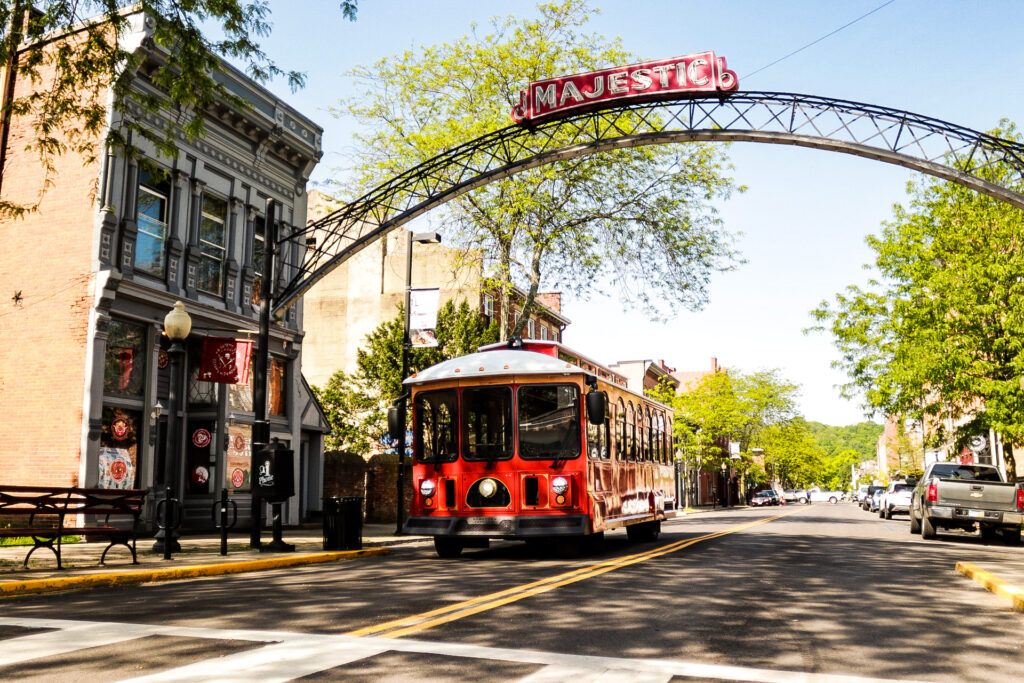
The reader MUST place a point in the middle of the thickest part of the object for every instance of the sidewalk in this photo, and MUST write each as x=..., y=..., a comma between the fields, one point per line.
x=199, y=556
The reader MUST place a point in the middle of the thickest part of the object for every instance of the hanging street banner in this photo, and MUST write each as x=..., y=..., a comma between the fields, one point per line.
x=423, y=317
x=225, y=361
x=670, y=78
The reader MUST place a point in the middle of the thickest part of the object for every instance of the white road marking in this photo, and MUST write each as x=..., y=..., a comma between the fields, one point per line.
x=289, y=655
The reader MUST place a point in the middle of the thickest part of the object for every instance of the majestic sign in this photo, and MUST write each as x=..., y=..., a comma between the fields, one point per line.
x=661, y=79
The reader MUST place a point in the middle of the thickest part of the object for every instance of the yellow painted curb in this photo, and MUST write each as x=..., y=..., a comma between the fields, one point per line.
x=14, y=588
x=993, y=583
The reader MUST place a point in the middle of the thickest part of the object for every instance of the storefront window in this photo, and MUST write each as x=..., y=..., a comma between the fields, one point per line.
x=119, y=448
x=276, y=388
x=124, y=371
x=239, y=457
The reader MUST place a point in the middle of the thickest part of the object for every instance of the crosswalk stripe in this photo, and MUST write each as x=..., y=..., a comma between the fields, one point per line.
x=288, y=655
x=278, y=662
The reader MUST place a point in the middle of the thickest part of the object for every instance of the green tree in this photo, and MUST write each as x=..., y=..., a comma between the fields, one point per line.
x=940, y=333
x=755, y=409
x=355, y=405
x=67, y=107
x=640, y=220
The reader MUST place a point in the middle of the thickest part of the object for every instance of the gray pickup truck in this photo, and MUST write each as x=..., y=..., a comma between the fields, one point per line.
x=955, y=496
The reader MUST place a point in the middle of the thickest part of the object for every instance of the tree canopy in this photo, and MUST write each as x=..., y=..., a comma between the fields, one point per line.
x=68, y=106
x=639, y=222
x=939, y=335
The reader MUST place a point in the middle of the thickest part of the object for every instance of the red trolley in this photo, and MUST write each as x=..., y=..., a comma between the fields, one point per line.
x=531, y=440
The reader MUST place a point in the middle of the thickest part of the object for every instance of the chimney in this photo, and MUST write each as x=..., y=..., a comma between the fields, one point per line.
x=714, y=364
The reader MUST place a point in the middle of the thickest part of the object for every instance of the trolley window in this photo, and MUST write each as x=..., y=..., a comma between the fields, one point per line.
x=487, y=423
x=620, y=431
x=549, y=421
x=435, y=437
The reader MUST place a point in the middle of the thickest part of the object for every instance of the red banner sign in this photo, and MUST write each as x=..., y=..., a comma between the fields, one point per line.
x=225, y=360
x=661, y=79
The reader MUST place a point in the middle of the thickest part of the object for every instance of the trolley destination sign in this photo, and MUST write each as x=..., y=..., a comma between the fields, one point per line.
x=698, y=73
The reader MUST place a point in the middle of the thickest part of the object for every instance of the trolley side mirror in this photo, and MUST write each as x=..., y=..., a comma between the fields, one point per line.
x=396, y=430
x=597, y=406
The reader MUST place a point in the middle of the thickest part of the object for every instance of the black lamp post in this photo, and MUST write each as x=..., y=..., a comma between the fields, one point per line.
x=177, y=325
x=725, y=484
x=414, y=238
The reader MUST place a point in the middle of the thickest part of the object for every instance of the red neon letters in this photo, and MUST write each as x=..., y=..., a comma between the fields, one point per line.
x=663, y=78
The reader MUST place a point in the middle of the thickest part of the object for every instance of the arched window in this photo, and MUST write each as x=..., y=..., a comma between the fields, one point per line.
x=648, y=452
x=620, y=430
x=661, y=438
x=630, y=432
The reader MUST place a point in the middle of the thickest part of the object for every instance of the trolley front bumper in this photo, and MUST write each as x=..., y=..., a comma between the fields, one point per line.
x=498, y=526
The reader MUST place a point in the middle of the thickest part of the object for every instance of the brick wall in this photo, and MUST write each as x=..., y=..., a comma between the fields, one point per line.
x=46, y=293
x=373, y=479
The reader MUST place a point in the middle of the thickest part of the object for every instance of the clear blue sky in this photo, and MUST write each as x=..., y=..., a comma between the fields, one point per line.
x=806, y=213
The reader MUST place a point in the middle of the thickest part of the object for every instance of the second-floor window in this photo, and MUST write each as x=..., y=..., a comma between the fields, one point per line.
x=150, y=254
x=544, y=332
x=531, y=329
x=488, y=310
x=212, y=244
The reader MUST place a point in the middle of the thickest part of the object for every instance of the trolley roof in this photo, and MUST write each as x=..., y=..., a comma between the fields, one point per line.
x=496, y=362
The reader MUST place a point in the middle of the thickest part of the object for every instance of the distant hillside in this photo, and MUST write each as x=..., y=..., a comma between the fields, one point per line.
x=860, y=437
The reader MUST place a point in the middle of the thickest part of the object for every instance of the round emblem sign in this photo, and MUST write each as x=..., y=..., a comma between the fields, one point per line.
x=118, y=470
x=162, y=359
x=239, y=442
x=237, y=478
x=201, y=438
x=119, y=429
x=200, y=475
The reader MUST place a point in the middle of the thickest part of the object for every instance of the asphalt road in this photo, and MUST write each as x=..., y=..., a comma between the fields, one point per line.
x=764, y=594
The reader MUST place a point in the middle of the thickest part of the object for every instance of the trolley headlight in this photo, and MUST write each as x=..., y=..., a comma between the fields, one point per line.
x=427, y=487
x=488, y=487
x=559, y=485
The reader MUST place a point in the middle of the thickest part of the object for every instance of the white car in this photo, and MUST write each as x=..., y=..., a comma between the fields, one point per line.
x=816, y=495
x=895, y=499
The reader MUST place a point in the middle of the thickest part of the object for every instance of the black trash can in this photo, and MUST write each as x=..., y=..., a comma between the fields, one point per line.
x=351, y=523
x=343, y=523
x=332, y=523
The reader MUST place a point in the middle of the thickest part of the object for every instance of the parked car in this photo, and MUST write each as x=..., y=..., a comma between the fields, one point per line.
x=763, y=498
x=955, y=496
x=779, y=500
x=816, y=495
x=865, y=502
x=795, y=495
x=896, y=499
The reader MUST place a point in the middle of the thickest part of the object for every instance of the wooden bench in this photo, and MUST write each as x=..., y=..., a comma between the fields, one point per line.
x=53, y=512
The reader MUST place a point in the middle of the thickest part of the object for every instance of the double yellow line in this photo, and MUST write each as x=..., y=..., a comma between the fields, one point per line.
x=425, y=620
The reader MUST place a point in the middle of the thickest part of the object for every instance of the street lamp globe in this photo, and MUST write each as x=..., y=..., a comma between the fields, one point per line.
x=177, y=323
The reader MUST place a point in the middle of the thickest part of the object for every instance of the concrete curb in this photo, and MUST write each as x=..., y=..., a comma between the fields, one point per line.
x=123, y=578
x=993, y=583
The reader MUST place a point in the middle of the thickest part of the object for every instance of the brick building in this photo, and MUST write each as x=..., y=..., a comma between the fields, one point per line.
x=367, y=289
x=88, y=278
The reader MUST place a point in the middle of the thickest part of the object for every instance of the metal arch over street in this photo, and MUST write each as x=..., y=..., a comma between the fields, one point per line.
x=920, y=143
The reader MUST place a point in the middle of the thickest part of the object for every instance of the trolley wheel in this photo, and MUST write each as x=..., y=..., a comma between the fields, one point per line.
x=645, y=531
x=447, y=547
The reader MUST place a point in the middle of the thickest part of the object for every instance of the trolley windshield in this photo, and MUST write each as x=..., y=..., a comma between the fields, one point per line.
x=549, y=421
x=435, y=437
